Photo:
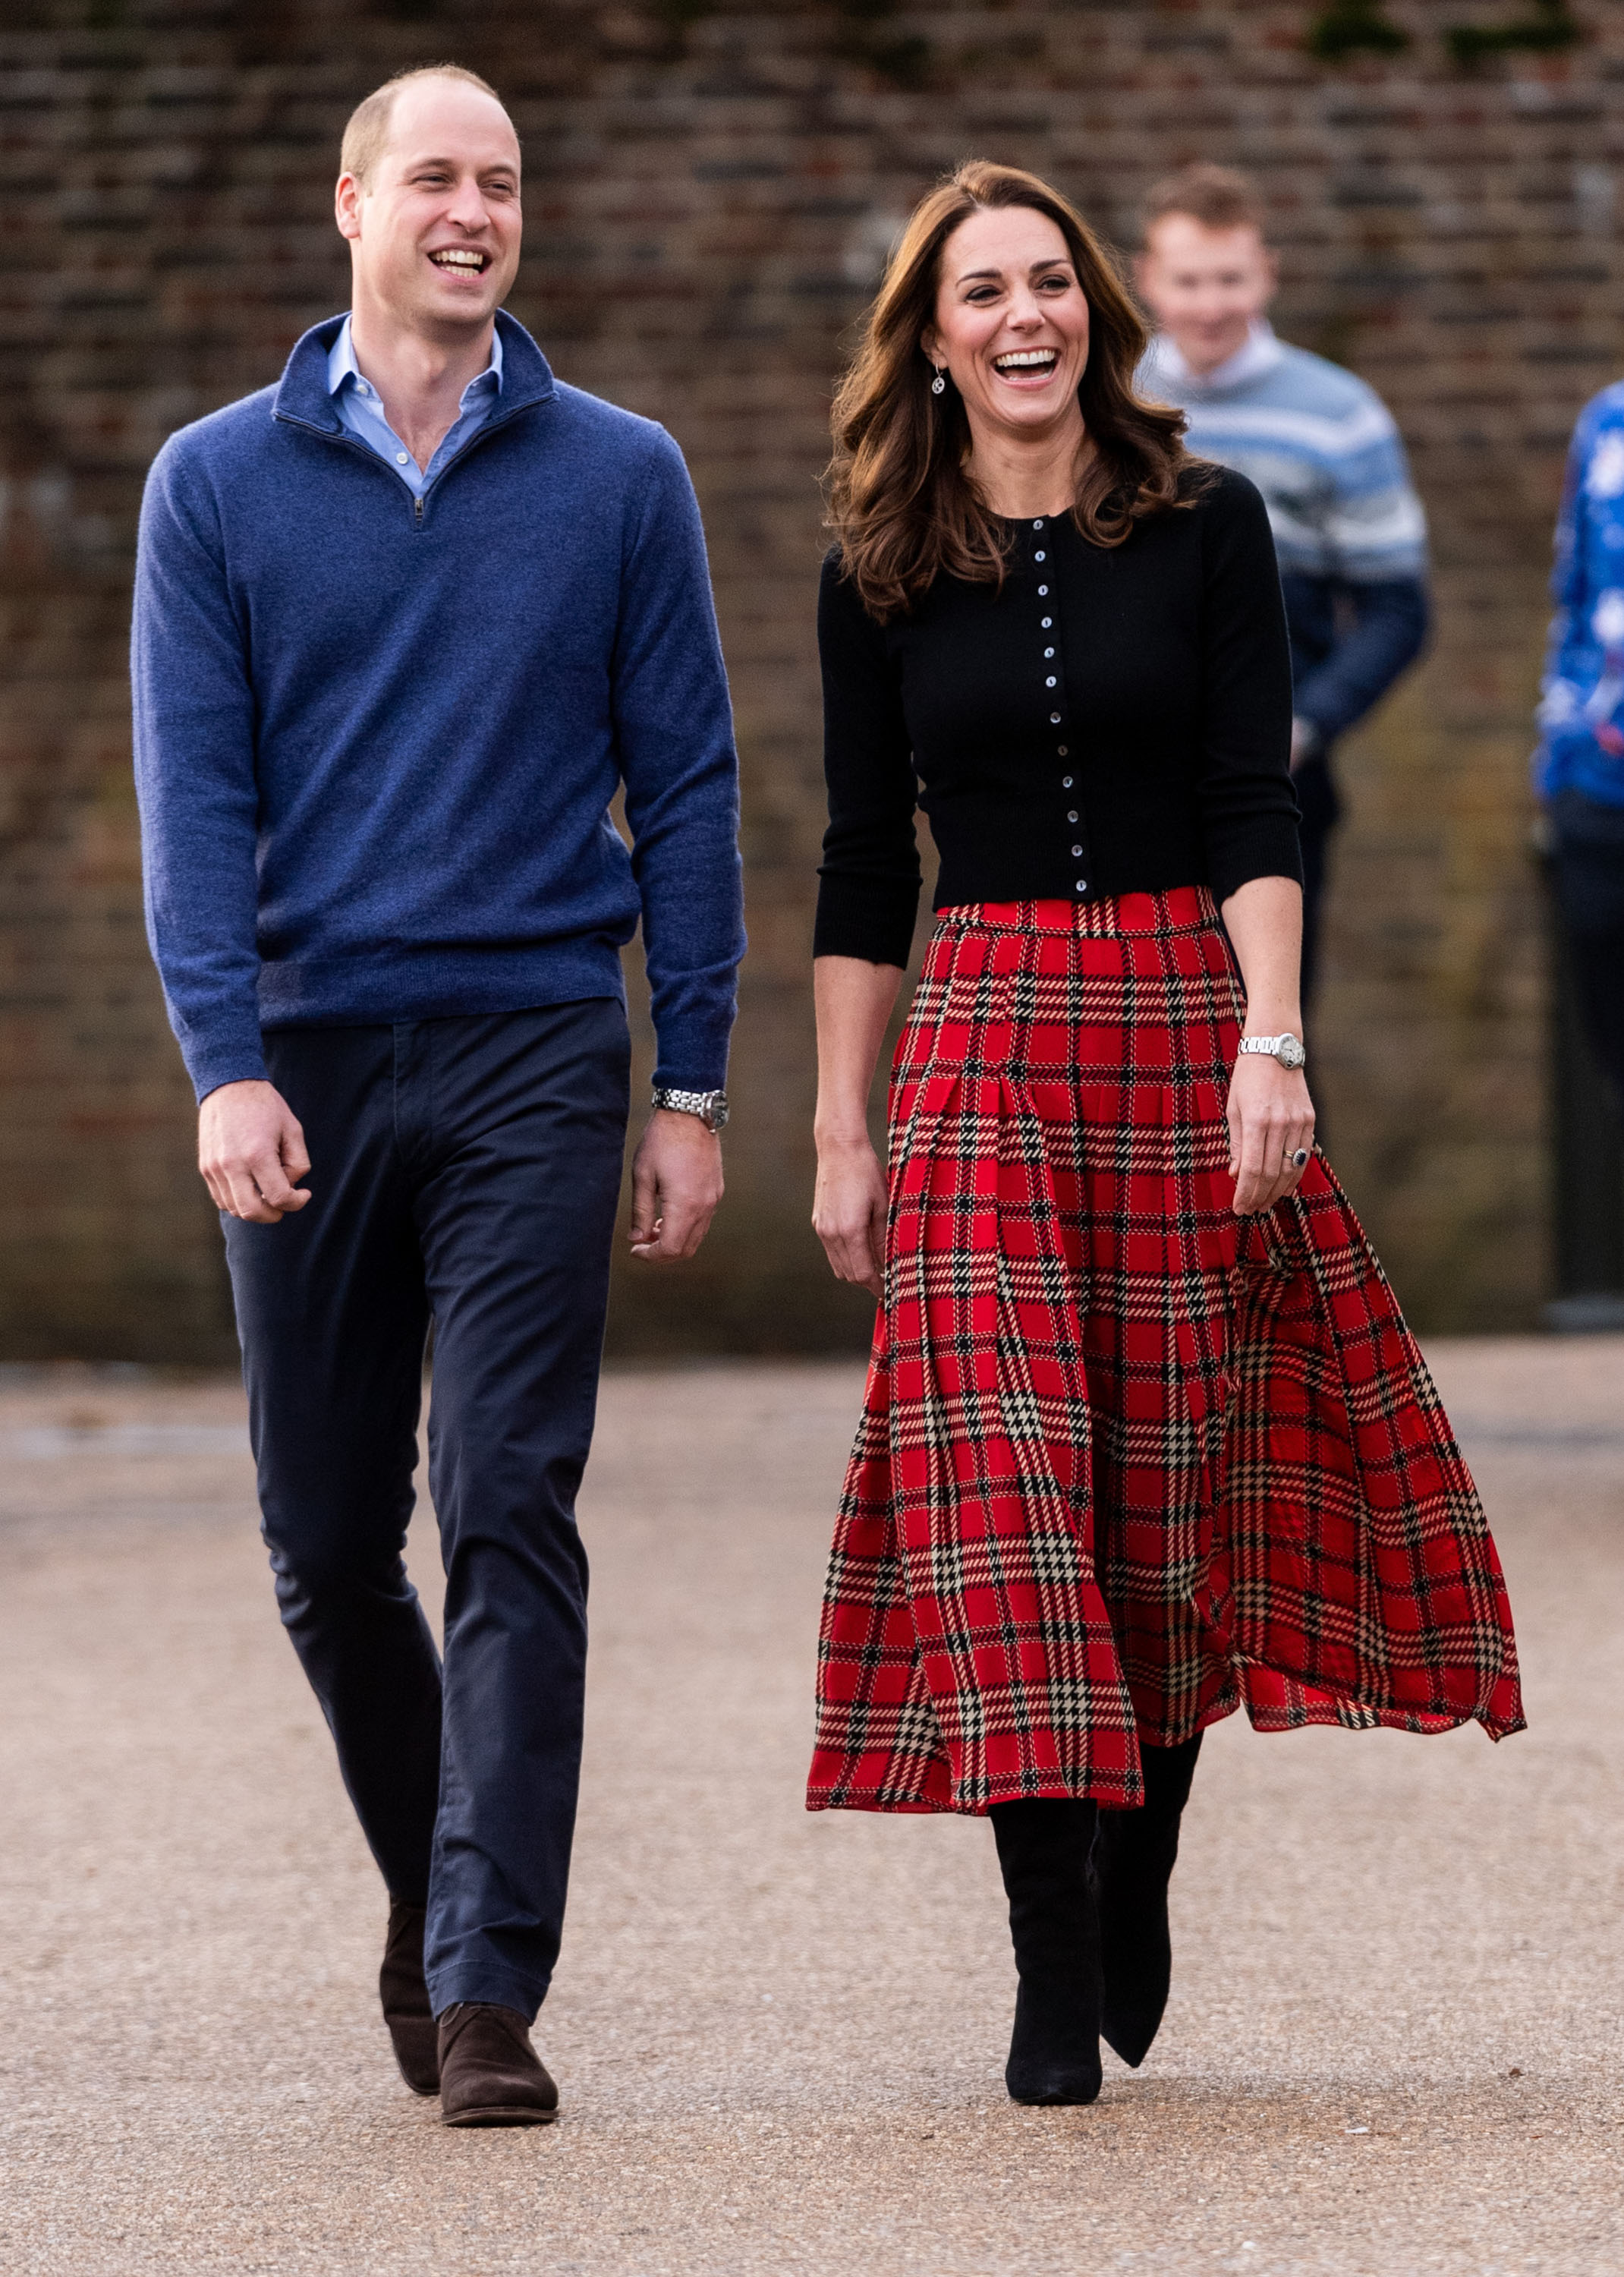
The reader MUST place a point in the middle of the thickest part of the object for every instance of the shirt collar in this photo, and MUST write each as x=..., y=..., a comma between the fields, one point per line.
x=1259, y=352
x=342, y=367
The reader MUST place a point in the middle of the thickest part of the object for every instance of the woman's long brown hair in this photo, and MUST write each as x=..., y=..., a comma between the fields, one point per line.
x=902, y=505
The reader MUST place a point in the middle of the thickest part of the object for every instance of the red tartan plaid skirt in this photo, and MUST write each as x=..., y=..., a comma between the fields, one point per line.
x=1127, y=1462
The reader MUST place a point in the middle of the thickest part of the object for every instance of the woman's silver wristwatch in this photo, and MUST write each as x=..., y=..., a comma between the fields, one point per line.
x=1287, y=1048
x=710, y=1106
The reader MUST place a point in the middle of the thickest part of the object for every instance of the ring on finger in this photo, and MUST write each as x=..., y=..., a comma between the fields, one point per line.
x=1297, y=1161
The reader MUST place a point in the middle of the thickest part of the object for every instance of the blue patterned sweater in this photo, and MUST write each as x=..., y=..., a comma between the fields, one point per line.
x=1582, y=747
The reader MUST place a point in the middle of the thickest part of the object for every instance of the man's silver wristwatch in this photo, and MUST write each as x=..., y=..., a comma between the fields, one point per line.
x=1287, y=1048
x=710, y=1106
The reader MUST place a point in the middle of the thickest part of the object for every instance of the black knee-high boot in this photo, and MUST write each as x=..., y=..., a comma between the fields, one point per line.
x=1131, y=1866
x=1043, y=1854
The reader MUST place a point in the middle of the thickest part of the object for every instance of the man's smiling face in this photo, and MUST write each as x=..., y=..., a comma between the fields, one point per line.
x=435, y=229
x=1205, y=287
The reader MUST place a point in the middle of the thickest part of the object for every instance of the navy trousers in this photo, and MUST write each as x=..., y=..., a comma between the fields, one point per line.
x=1322, y=811
x=464, y=1172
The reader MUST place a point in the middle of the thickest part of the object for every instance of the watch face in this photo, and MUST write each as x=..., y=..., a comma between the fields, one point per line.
x=1291, y=1054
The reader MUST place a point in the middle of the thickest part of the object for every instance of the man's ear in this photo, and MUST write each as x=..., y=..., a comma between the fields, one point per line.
x=347, y=206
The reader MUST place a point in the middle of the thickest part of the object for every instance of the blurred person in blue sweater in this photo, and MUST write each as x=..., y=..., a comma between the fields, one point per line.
x=1322, y=447
x=405, y=624
x=1579, y=766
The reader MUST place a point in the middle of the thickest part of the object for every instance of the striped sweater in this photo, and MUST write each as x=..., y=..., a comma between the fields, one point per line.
x=1320, y=445
x=1349, y=531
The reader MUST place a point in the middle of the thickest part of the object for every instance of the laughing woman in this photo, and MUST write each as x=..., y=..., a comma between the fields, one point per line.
x=1146, y=1439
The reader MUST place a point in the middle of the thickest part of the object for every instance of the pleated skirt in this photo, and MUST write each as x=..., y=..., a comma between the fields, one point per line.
x=1127, y=1462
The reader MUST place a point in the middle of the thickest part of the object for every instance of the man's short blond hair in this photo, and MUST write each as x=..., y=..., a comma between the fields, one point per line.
x=1217, y=197
x=366, y=138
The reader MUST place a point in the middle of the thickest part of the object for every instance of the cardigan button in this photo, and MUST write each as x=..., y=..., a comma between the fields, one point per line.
x=1072, y=816
x=1054, y=717
x=1065, y=782
x=1082, y=885
x=1052, y=681
x=1065, y=753
x=1040, y=557
x=1042, y=591
x=1076, y=853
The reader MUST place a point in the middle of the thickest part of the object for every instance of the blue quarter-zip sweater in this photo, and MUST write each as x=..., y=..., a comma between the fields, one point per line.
x=377, y=737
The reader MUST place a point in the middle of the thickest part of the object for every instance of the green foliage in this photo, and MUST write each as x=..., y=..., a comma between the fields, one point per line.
x=905, y=62
x=865, y=38
x=1351, y=27
x=1550, y=26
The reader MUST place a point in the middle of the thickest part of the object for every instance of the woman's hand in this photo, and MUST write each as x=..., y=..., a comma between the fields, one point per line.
x=848, y=1210
x=1271, y=1119
x=1271, y=1115
x=853, y=1001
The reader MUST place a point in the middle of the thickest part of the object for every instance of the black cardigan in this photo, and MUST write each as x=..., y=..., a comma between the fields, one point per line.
x=1110, y=720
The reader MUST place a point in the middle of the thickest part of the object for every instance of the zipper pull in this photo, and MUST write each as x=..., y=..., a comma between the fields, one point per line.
x=419, y=503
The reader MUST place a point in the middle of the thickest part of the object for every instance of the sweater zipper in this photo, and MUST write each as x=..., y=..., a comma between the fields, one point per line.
x=490, y=426
x=355, y=443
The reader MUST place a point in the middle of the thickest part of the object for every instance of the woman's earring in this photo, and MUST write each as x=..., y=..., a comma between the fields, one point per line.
x=938, y=385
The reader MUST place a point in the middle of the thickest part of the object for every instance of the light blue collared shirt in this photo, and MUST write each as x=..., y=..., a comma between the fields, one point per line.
x=361, y=408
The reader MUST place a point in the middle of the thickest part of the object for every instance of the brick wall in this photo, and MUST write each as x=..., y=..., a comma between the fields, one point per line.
x=709, y=191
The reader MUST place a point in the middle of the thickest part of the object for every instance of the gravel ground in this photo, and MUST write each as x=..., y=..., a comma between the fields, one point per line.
x=1393, y=2045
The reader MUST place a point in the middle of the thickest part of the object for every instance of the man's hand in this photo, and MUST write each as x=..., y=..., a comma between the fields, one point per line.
x=251, y=1151
x=676, y=1186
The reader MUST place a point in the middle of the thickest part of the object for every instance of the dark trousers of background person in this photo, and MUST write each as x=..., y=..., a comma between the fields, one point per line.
x=465, y=1171
x=1322, y=811
x=1587, y=855
x=1350, y=642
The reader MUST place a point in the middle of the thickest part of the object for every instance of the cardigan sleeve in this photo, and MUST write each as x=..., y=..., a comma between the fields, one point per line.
x=1243, y=790
x=869, y=880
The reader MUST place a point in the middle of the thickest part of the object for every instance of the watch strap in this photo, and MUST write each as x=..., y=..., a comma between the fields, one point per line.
x=1276, y=1048
x=710, y=1106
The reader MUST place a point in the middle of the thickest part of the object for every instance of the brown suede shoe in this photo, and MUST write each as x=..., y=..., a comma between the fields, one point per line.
x=405, y=2000
x=489, y=2074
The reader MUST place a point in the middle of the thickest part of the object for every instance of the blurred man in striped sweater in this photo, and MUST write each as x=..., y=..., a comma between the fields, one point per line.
x=1322, y=447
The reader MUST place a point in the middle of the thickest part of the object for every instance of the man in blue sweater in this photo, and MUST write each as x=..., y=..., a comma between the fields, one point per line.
x=404, y=624
x=1321, y=446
